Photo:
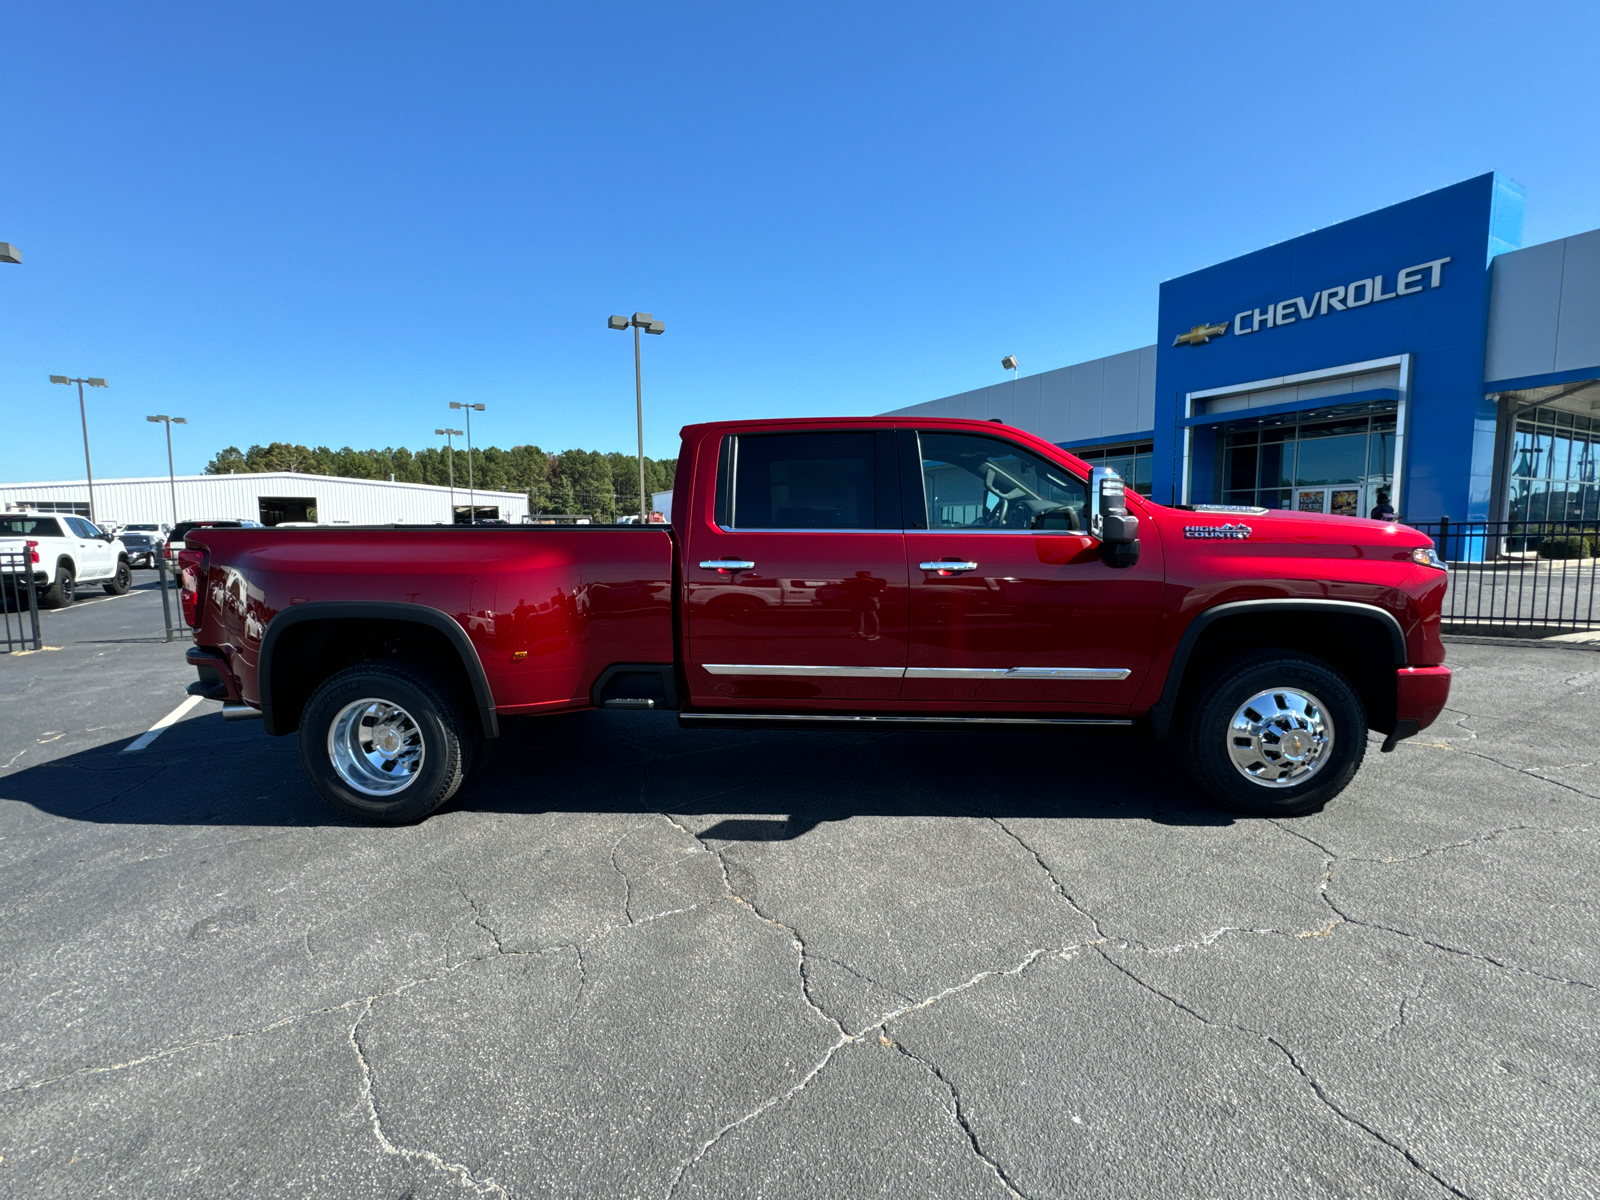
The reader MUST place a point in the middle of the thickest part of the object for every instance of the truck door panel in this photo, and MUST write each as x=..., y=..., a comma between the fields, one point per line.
x=797, y=590
x=1027, y=613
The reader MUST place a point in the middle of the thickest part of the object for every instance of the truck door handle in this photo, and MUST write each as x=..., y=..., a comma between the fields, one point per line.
x=727, y=565
x=948, y=566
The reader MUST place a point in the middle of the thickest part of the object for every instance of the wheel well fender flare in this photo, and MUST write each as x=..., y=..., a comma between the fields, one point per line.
x=1161, y=712
x=386, y=610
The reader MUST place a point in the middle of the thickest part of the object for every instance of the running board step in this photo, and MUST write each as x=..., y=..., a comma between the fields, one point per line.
x=706, y=720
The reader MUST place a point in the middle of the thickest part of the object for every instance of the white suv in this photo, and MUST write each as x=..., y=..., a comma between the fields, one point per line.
x=68, y=551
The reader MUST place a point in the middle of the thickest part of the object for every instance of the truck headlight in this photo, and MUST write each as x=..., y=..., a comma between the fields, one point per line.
x=1427, y=556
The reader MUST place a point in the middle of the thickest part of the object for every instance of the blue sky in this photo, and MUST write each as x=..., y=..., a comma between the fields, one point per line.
x=322, y=223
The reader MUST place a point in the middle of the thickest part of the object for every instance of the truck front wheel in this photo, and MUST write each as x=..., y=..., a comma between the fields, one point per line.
x=1274, y=734
x=385, y=743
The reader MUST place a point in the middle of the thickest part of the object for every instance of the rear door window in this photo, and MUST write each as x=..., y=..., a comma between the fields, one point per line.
x=800, y=481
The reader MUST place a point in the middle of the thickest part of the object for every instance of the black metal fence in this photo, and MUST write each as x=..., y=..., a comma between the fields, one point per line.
x=1519, y=577
x=19, y=602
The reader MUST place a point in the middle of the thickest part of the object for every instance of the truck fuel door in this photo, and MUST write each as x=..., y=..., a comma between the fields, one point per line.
x=1110, y=521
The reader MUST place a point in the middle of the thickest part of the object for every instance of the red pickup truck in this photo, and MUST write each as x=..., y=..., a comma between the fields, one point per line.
x=866, y=572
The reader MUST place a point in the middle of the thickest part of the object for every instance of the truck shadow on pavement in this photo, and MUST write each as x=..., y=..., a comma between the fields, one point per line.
x=765, y=786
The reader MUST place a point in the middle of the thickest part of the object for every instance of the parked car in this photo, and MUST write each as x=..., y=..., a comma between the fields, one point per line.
x=143, y=543
x=871, y=573
x=67, y=551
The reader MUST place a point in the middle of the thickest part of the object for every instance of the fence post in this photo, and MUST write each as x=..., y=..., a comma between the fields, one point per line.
x=33, y=601
x=1444, y=534
x=166, y=600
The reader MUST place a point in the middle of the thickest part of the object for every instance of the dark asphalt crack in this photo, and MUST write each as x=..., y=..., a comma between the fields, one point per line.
x=1311, y=1081
x=1324, y=891
x=1055, y=881
x=958, y=1113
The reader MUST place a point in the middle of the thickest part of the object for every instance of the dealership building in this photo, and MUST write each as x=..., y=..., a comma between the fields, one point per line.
x=270, y=497
x=1417, y=354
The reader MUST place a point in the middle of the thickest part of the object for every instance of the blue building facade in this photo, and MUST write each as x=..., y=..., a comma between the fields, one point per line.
x=1414, y=356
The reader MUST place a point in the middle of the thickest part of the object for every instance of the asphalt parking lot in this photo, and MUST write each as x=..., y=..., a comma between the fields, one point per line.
x=637, y=961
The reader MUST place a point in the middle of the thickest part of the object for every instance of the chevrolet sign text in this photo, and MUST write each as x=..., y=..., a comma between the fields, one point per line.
x=1336, y=299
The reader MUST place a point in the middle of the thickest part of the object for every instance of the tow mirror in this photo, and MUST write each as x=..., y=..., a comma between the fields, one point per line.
x=1110, y=520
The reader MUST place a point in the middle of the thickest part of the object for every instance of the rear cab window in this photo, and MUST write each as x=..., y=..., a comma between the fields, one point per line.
x=15, y=526
x=826, y=480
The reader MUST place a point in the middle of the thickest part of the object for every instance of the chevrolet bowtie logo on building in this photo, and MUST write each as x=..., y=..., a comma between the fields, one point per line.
x=1200, y=335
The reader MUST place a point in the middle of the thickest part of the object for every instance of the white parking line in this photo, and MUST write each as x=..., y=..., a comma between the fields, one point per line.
x=161, y=726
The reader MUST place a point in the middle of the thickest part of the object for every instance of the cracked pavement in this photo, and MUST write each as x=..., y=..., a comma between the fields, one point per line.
x=637, y=961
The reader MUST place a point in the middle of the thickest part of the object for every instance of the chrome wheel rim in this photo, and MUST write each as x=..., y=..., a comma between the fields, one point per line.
x=376, y=747
x=1280, y=737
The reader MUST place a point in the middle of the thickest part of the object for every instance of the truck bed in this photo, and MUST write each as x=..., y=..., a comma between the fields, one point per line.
x=547, y=608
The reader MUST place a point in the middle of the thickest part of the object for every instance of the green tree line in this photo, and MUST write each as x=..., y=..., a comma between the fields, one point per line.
x=600, y=485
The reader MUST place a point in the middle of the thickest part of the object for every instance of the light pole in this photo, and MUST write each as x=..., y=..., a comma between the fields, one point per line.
x=649, y=324
x=1009, y=363
x=472, y=491
x=450, y=458
x=169, y=422
x=83, y=415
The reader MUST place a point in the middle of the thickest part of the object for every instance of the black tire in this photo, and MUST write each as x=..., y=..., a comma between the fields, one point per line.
x=122, y=581
x=62, y=592
x=1208, y=742
x=448, y=732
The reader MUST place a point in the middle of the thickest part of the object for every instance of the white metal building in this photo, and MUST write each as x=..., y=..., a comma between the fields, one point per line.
x=269, y=497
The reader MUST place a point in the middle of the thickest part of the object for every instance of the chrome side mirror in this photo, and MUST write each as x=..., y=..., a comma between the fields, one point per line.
x=1109, y=518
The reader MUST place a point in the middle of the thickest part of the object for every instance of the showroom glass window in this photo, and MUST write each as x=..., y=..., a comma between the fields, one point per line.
x=1553, y=467
x=1318, y=461
x=1131, y=460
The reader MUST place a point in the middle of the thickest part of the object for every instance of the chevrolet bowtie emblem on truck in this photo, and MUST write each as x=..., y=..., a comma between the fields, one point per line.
x=1238, y=532
x=1200, y=335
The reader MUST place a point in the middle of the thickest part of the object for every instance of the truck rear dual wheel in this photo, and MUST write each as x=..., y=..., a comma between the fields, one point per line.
x=1274, y=734
x=386, y=743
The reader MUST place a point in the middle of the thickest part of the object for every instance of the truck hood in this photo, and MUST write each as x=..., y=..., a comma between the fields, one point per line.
x=1284, y=526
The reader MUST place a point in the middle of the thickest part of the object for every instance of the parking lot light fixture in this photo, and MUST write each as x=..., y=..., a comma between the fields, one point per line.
x=9, y=253
x=169, y=422
x=648, y=323
x=450, y=459
x=472, y=492
x=83, y=415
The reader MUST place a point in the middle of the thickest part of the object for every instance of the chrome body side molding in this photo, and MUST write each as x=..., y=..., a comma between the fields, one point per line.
x=1032, y=674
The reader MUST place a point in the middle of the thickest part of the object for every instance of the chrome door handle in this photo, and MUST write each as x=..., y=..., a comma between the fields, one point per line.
x=727, y=564
x=948, y=565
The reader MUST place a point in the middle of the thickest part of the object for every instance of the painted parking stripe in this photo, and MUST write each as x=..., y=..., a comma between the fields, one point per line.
x=161, y=726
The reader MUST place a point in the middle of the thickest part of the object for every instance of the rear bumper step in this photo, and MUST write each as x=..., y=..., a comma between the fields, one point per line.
x=706, y=720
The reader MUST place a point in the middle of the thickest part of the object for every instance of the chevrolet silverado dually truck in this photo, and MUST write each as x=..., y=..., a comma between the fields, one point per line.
x=882, y=573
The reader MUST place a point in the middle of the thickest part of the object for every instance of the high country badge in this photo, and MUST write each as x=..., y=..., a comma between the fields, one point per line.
x=1229, y=531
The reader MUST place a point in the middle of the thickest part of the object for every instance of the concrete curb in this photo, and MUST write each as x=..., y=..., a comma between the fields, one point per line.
x=1451, y=639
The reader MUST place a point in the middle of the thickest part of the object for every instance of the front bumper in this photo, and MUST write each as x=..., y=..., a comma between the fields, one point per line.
x=1420, y=694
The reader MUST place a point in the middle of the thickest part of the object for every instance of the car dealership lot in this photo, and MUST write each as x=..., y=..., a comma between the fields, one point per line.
x=635, y=961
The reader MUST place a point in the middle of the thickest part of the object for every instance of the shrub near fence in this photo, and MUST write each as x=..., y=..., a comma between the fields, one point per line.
x=1524, y=578
x=1567, y=545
